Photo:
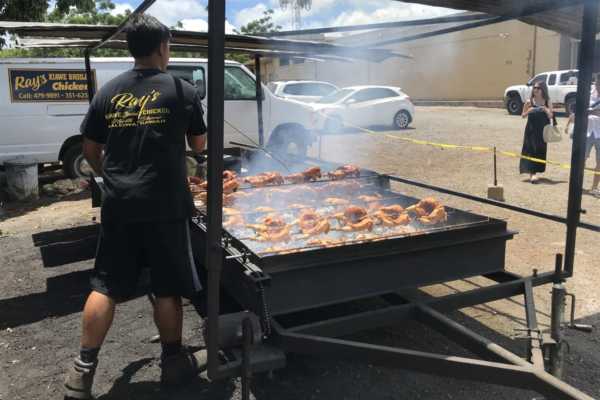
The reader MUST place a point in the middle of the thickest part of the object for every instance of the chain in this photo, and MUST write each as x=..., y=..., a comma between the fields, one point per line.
x=266, y=314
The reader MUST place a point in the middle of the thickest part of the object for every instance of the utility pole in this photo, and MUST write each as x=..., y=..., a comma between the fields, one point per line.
x=296, y=6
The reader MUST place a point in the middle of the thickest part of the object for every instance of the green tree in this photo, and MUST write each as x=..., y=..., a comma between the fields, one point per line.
x=35, y=10
x=261, y=25
x=98, y=14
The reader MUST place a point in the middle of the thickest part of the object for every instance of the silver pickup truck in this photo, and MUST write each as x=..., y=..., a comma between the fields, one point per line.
x=562, y=88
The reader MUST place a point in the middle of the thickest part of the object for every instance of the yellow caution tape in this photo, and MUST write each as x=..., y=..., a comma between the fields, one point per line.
x=472, y=148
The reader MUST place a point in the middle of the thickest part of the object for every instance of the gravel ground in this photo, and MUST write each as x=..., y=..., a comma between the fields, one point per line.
x=40, y=307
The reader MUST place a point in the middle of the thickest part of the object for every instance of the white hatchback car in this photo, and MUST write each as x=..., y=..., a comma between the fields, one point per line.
x=305, y=91
x=363, y=106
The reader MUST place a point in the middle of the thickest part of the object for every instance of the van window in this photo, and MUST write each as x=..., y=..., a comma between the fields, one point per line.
x=239, y=85
x=552, y=80
x=192, y=74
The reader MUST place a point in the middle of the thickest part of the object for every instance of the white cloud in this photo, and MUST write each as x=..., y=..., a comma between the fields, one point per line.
x=341, y=12
x=169, y=12
x=120, y=8
x=201, y=25
x=391, y=12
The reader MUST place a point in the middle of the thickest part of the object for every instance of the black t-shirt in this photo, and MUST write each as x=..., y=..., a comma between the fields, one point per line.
x=142, y=117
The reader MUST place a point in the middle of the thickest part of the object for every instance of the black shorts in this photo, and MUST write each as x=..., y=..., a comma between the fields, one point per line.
x=125, y=249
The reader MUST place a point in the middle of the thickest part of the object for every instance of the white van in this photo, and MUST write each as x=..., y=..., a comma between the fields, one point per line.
x=43, y=101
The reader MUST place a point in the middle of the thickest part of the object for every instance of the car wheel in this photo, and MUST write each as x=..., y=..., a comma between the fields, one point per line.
x=402, y=119
x=570, y=105
x=514, y=105
x=74, y=164
x=289, y=141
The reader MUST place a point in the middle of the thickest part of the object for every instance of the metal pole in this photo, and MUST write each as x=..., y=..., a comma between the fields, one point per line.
x=259, y=101
x=586, y=65
x=214, y=253
x=91, y=85
x=557, y=316
x=495, y=171
x=534, y=51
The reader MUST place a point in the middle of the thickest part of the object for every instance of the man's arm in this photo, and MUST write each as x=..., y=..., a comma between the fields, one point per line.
x=196, y=143
x=93, y=153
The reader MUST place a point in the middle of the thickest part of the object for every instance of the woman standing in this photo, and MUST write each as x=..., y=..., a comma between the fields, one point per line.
x=538, y=111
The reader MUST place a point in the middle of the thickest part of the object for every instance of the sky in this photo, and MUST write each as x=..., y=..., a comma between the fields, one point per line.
x=323, y=13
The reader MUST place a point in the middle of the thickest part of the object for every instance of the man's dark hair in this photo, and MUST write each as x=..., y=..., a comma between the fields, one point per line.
x=145, y=34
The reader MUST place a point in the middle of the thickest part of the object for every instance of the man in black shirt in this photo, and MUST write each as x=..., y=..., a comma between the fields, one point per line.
x=135, y=137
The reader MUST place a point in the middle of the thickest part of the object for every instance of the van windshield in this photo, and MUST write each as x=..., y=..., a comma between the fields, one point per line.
x=335, y=96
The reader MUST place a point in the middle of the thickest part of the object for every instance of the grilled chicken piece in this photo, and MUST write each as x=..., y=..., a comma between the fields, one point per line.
x=265, y=179
x=429, y=211
x=393, y=215
x=310, y=174
x=344, y=171
x=336, y=201
x=370, y=198
x=312, y=223
x=297, y=206
x=234, y=220
x=355, y=218
x=230, y=183
x=324, y=242
x=264, y=209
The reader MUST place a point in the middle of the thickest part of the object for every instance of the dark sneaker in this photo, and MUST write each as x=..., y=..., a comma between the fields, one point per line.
x=79, y=381
x=181, y=368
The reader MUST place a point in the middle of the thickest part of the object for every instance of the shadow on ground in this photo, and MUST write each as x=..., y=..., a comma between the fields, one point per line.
x=200, y=388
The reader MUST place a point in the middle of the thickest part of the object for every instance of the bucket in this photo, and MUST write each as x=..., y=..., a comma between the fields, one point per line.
x=22, y=180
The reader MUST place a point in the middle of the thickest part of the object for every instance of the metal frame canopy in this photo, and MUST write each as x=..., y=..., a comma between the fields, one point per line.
x=563, y=16
x=499, y=365
x=93, y=36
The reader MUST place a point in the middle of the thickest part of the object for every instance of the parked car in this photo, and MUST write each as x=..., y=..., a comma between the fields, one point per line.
x=306, y=91
x=43, y=101
x=364, y=106
x=562, y=88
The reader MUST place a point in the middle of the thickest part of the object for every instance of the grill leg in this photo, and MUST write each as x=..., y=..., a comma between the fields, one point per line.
x=248, y=334
x=557, y=351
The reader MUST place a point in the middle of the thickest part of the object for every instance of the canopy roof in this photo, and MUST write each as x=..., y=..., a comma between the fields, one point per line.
x=562, y=16
x=71, y=35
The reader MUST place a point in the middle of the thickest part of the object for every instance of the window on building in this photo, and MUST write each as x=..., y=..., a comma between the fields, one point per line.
x=552, y=80
x=283, y=61
x=191, y=74
x=239, y=85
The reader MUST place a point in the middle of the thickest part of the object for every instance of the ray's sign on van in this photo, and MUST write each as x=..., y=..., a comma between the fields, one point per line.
x=48, y=85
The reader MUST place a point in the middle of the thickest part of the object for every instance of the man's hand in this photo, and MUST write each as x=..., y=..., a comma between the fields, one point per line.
x=196, y=143
x=93, y=153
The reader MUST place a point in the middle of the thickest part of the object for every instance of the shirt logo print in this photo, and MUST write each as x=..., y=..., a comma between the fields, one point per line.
x=129, y=110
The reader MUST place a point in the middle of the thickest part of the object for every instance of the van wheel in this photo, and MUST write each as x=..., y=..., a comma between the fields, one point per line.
x=289, y=141
x=514, y=105
x=74, y=164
